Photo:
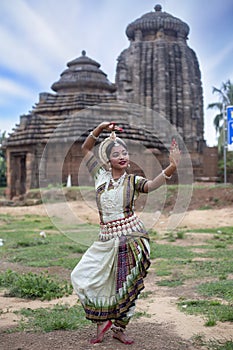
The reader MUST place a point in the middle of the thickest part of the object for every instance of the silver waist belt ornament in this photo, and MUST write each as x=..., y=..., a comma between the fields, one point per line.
x=120, y=227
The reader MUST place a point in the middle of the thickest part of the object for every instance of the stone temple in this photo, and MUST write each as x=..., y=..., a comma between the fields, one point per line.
x=158, y=71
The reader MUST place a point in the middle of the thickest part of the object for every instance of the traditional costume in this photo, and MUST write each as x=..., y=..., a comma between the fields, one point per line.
x=109, y=277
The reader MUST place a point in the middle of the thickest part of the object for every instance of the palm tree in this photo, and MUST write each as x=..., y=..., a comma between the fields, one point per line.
x=225, y=94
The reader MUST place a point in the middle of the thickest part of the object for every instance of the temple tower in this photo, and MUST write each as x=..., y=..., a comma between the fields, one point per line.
x=83, y=74
x=81, y=85
x=160, y=71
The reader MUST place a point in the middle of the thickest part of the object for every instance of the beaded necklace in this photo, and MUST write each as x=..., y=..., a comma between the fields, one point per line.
x=118, y=182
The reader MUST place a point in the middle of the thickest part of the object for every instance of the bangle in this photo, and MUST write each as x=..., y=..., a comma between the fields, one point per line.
x=93, y=136
x=165, y=176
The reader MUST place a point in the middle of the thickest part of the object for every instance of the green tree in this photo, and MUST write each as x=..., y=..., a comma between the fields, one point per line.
x=225, y=95
x=2, y=162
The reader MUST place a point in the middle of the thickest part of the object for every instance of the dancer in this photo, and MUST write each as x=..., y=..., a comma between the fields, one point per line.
x=110, y=275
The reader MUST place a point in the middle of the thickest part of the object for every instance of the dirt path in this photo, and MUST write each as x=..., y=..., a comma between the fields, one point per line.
x=165, y=328
x=160, y=307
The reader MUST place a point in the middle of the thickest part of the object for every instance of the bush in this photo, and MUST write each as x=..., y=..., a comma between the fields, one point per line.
x=33, y=286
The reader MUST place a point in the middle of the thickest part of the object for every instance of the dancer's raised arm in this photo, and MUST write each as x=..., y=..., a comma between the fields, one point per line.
x=167, y=173
x=94, y=134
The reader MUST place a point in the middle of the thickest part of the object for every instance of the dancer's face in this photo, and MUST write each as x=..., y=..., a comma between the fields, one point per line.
x=119, y=157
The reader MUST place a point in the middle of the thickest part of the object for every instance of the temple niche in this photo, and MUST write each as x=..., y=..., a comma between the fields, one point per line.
x=158, y=71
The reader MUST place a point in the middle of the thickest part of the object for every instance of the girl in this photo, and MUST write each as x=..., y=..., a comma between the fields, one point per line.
x=109, y=277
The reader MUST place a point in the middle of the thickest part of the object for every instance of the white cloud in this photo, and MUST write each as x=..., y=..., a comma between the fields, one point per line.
x=216, y=61
x=10, y=89
x=28, y=44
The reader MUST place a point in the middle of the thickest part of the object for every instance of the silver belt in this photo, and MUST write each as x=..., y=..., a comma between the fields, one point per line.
x=120, y=227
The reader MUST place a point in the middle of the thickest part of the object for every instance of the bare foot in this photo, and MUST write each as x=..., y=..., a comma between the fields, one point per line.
x=123, y=338
x=101, y=330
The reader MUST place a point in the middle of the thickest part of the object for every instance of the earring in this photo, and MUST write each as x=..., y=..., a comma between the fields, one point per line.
x=128, y=165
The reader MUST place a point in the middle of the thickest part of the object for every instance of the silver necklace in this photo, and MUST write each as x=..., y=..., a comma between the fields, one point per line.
x=118, y=182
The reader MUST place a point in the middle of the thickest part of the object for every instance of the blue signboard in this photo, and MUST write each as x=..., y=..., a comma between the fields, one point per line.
x=230, y=128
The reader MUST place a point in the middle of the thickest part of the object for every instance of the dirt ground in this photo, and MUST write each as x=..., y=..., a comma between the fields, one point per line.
x=166, y=328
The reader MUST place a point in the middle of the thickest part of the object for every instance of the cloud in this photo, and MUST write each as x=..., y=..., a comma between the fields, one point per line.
x=28, y=44
x=10, y=89
x=216, y=61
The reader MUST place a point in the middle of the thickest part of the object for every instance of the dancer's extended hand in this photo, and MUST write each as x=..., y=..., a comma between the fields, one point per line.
x=175, y=154
x=110, y=126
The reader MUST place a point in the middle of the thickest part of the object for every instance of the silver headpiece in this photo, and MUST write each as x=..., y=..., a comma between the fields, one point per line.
x=104, y=145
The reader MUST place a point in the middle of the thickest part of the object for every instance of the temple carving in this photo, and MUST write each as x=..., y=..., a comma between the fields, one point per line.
x=158, y=71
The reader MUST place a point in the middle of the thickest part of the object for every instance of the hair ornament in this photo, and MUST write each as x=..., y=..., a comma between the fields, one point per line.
x=104, y=145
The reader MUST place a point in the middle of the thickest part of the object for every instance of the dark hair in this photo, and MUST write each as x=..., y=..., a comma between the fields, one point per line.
x=114, y=143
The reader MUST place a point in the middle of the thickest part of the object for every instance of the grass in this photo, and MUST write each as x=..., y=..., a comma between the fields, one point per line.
x=170, y=282
x=213, y=259
x=174, y=263
x=222, y=289
x=220, y=267
x=216, y=345
x=206, y=207
x=213, y=310
x=33, y=286
x=24, y=245
x=59, y=317
x=216, y=252
x=167, y=251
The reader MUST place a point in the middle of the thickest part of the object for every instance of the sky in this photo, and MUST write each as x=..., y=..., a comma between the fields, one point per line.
x=39, y=37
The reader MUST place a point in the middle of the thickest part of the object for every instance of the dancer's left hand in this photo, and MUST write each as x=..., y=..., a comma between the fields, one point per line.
x=175, y=154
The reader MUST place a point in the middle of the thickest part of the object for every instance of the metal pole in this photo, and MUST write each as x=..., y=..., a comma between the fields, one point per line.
x=225, y=143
